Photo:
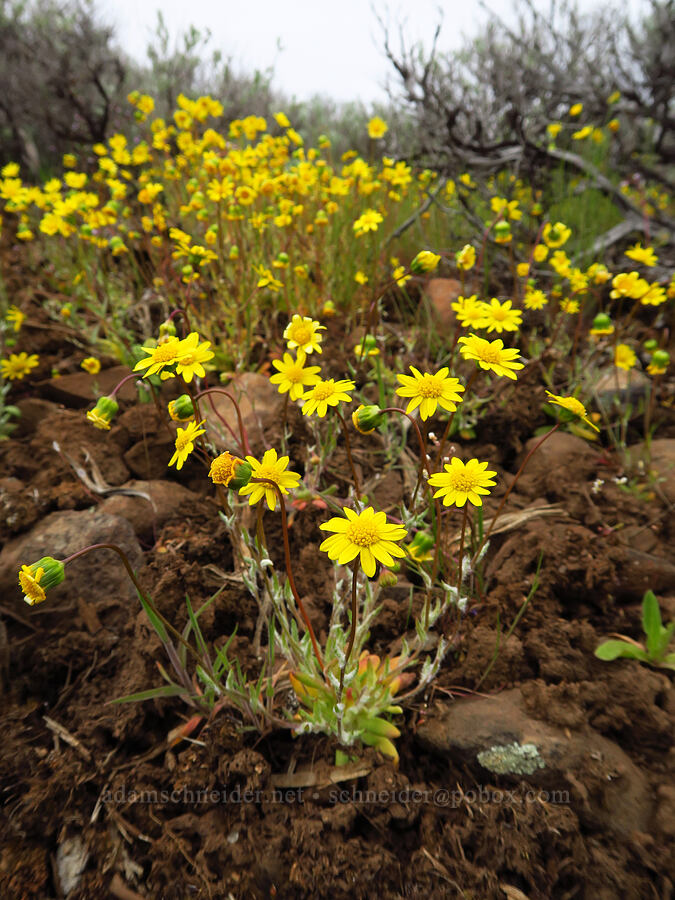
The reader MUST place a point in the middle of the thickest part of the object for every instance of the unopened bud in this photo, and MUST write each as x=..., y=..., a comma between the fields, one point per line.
x=425, y=261
x=35, y=580
x=103, y=413
x=181, y=409
x=367, y=418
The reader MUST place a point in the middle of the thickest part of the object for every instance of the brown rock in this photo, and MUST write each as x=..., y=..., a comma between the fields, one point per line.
x=260, y=404
x=33, y=410
x=97, y=575
x=442, y=292
x=558, y=457
x=81, y=389
x=146, y=516
x=643, y=571
x=148, y=459
x=603, y=785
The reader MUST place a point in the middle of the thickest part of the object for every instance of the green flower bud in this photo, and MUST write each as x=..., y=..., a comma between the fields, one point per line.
x=502, y=232
x=242, y=476
x=661, y=359
x=387, y=578
x=602, y=324
x=35, y=580
x=181, y=409
x=167, y=329
x=367, y=346
x=367, y=418
x=425, y=261
x=103, y=413
x=423, y=541
x=651, y=345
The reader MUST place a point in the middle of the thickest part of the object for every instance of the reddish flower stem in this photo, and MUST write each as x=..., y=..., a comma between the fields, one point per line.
x=130, y=572
x=122, y=382
x=289, y=569
x=242, y=430
x=508, y=492
x=348, y=448
x=352, y=632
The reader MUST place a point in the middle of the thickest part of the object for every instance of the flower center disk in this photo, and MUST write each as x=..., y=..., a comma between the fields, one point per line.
x=323, y=391
x=430, y=388
x=362, y=535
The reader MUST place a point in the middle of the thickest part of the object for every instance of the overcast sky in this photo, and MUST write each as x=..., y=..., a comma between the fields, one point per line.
x=332, y=47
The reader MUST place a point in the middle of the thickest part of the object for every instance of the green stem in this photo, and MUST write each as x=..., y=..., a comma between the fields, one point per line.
x=461, y=553
x=424, y=461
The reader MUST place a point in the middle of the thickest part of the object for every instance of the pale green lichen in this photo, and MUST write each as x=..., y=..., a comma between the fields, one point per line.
x=511, y=759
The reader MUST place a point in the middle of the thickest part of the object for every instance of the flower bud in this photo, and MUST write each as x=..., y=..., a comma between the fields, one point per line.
x=35, y=580
x=387, y=578
x=602, y=324
x=230, y=470
x=367, y=346
x=328, y=309
x=425, y=261
x=367, y=418
x=167, y=328
x=103, y=413
x=651, y=345
x=502, y=232
x=659, y=362
x=181, y=409
x=421, y=545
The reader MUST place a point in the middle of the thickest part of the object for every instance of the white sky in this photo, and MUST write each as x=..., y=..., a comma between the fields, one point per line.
x=315, y=46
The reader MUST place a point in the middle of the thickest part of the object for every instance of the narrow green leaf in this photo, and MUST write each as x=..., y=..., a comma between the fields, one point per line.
x=166, y=690
x=614, y=649
x=155, y=621
x=651, y=622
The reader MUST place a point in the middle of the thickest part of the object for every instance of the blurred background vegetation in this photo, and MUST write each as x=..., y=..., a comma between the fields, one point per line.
x=65, y=80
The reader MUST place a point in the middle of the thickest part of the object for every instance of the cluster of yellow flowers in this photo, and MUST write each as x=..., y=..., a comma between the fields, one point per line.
x=246, y=199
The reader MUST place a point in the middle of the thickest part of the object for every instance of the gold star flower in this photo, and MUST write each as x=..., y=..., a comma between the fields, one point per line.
x=302, y=333
x=271, y=468
x=491, y=355
x=571, y=404
x=463, y=481
x=325, y=394
x=367, y=535
x=430, y=391
x=292, y=376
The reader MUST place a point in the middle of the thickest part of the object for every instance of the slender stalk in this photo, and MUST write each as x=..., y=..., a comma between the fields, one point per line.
x=424, y=461
x=130, y=572
x=508, y=492
x=289, y=569
x=242, y=430
x=123, y=382
x=439, y=458
x=348, y=448
x=461, y=552
x=352, y=632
